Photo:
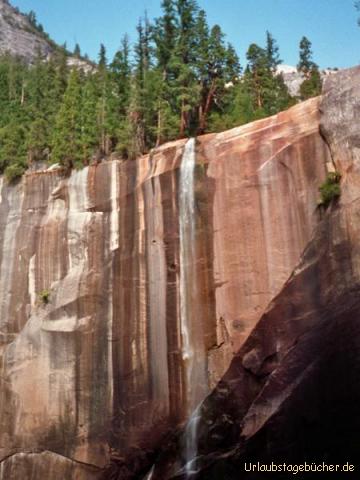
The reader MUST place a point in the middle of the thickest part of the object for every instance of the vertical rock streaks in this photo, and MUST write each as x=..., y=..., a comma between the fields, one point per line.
x=157, y=271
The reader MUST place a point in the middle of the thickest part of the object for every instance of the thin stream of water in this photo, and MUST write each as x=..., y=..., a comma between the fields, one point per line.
x=188, y=292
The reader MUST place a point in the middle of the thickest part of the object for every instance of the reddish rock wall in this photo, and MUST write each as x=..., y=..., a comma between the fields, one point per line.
x=98, y=372
x=291, y=393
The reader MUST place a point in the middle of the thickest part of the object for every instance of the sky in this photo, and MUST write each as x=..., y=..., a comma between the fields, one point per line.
x=330, y=24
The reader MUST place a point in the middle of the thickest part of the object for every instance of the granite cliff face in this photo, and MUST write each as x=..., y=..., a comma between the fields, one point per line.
x=20, y=38
x=292, y=391
x=104, y=348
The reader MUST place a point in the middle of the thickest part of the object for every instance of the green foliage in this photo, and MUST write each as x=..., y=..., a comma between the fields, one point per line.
x=44, y=296
x=306, y=63
x=330, y=190
x=77, y=51
x=311, y=86
x=272, y=52
x=357, y=6
x=181, y=78
x=268, y=93
x=14, y=172
x=68, y=129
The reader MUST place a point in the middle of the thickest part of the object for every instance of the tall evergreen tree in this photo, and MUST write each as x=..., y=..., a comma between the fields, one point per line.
x=120, y=70
x=77, y=51
x=68, y=127
x=257, y=74
x=306, y=63
x=90, y=133
x=312, y=84
x=219, y=66
x=184, y=60
x=272, y=52
x=165, y=35
x=102, y=59
x=268, y=91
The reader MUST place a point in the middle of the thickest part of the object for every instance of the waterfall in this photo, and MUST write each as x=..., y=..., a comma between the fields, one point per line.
x=188, y=294
x=149, y=475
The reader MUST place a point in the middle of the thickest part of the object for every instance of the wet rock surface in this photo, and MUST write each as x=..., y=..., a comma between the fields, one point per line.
x=97, y=375
x=291, y=393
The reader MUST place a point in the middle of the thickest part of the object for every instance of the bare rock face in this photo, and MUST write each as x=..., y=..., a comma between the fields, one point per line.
x=18, y=36
x=46, y=465
x=291, y=393
x=293, y=79
x=98, y=348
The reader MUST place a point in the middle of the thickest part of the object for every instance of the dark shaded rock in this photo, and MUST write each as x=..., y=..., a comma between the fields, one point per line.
x=304, y=407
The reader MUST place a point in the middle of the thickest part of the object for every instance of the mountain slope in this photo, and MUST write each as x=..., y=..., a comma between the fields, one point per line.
x=21, y=38
x=18, y=36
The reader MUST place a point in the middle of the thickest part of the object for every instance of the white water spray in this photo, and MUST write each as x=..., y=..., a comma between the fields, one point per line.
x=188, y=294
x=149, y=476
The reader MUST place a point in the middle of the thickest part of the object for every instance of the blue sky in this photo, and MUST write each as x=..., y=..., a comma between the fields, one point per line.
x=329, y=24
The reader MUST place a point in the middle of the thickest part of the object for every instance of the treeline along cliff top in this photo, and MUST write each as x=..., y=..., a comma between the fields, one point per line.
x=180, y=78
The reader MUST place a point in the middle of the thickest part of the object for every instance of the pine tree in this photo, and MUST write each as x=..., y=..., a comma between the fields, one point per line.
x=218, y=66
x=312, y=84
x=102, y=59
x=184, y=59
x=103, y=81
x=272, y=52
x=120, y=70
x=89, y=135
x=68, y=129
x=41, y=106
x=268, y=91
x=32, y=18
x=257, y=74
x=12, y=150
x=77, y=51
x=306, y=63
x=165, y=34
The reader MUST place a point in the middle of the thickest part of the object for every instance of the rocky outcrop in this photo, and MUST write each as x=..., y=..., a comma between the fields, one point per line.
x=92, y=327
x=292, y=391
x=293, y=79
x=20, y=38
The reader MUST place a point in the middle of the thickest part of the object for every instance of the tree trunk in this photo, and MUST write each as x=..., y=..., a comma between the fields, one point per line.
x=205, y=110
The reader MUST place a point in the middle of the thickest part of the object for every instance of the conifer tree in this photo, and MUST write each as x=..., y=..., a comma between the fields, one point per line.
x=165, y=35
x=102, y=63
x=120, y=79
x=77, y=51
x=218, y=66
x=184, y=59
x=312, y=84
x=67, y=147
x=103, y=81
x=268, y=91
x=306, y=63
x=257, y=74
x=89, y=135
x=272, y=52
